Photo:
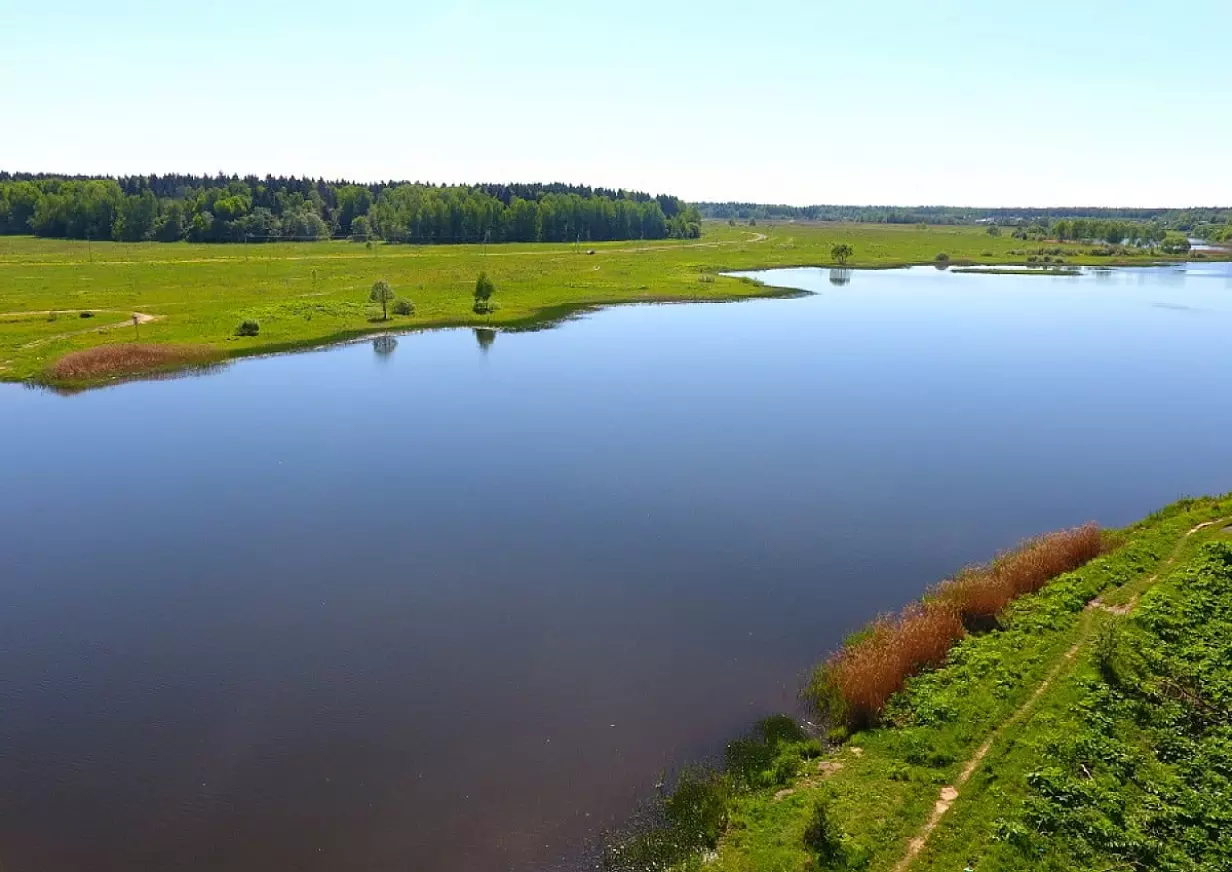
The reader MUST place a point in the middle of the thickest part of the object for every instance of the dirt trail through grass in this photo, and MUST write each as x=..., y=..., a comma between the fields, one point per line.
x=950, y=793
x=139, y=317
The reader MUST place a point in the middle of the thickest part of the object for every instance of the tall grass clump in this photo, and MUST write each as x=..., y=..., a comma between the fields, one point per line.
x=852, y=687
x=129, y=358
x=981, y=593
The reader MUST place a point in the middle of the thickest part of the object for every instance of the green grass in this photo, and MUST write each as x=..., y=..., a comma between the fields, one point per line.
x=307, y=294
x=881, y=785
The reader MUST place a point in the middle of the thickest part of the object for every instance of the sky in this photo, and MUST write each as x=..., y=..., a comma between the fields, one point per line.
x=1044, y=103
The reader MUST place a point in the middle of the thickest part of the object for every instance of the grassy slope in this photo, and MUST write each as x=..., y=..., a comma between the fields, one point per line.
x=884, y=792
x=305, y=294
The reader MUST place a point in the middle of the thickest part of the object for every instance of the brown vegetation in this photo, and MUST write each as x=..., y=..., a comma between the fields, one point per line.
x=130, y=358
x=981, y=593
x=855, y=683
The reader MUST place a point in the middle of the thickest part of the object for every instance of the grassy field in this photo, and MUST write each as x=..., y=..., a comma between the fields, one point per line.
x=307, y=294
x=1092, y=730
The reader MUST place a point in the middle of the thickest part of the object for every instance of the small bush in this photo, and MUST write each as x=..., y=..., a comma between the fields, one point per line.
x=823, y=836
x=689, y=821
x=86, y=315
x=1107, y=649
x=771, y=755
x=706, y=279
x=248, y=327
x=697, y=808
x=403, y=307
x=942, y=258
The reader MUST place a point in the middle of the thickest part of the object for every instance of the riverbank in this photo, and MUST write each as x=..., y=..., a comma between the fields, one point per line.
x=307, y=295
x=1087, y=730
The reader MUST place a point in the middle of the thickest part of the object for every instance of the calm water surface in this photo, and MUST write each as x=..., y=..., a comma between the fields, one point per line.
x=451, y=602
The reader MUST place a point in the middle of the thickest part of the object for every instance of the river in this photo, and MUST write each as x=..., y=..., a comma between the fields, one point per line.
x=452, y=600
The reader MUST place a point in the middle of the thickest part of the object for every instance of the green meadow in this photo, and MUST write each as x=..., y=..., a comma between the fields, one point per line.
x=305, y=294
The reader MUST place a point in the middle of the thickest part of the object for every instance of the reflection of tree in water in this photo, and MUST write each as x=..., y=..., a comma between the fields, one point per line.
x=840, y=276
x=485, y=336
x=384, y=345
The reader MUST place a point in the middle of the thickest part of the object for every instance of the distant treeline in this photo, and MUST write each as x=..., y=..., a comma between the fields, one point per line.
x=250, y=209
x=1140, y=233
x=1186, y=220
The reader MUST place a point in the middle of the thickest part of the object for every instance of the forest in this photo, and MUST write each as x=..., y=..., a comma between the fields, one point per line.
x=1184, y=220
x=224, y=208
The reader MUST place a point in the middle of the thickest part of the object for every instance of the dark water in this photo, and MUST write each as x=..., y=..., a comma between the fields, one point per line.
x=451, y=603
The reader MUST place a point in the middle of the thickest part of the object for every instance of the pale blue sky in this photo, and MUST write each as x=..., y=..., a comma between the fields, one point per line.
x=1037, y=103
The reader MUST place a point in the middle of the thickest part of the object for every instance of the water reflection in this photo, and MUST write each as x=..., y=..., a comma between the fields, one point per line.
x=196, y=371
x=384, y=345
x=840, y=276
x=485, y=336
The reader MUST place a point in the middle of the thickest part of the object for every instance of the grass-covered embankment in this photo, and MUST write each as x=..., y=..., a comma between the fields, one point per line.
x=1091, y=728
x=305, y=294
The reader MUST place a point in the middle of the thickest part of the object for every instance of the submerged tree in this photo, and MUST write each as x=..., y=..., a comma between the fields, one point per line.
x=841, y=252
x=382, y=293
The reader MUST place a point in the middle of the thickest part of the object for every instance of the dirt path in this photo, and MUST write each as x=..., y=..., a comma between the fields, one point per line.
x=141, y=318
x=950, y=792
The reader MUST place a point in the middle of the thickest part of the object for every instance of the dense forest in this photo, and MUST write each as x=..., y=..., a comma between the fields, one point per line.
x=250, y=209
x=1184, y=220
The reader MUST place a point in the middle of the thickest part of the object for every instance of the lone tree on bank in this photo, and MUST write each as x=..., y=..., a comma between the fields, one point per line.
x=484, y=289
x=841, y=252
x=382, y=293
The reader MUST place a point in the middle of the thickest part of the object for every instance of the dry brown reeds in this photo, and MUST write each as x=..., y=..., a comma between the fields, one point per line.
x=855, y=683
x=129, y=358
x=981, y=593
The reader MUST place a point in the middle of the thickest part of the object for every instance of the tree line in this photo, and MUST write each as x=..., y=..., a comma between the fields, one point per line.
x=1184, y=220
x=250, y=209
